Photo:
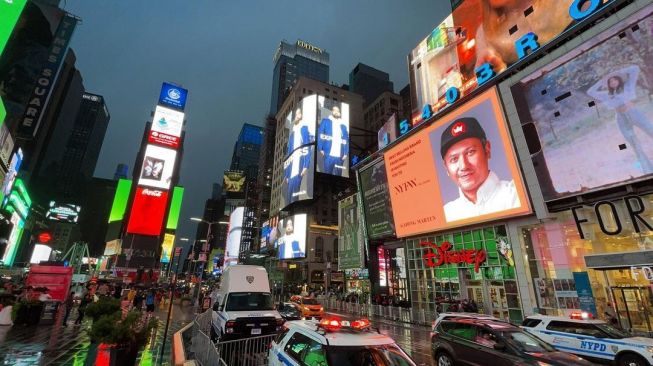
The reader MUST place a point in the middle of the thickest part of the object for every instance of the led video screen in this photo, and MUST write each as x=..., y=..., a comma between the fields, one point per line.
x=332, y=137
x=291, y=243
x=233, y=181
x=588, y=115
x=299, y=170
x=235, y=233
x=300, y=124
x=148, y=209
x=459, y=171
x=158, y=167
x=376, y=201
x=64, y=212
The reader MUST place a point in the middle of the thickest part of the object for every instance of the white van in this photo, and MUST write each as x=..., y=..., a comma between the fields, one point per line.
x=244, y=305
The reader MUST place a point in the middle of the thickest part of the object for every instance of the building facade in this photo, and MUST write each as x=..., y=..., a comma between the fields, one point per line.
x=369, y=82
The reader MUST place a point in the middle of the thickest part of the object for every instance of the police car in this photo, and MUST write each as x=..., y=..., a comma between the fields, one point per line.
x=334, y=342
x=593, y=339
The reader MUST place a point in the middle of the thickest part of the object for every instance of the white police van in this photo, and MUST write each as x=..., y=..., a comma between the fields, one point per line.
x=334, y=342
x=595, y=340
x=243, y=306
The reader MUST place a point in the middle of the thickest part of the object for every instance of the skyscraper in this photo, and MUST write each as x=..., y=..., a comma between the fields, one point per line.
x=292, y=61
x=369, y=82
x=247, y=150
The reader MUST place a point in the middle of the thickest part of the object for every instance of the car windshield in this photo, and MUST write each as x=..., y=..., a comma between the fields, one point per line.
x=384, y=355
x=612, y=331
x=290, y=310
x=310, y=302
x=525, y=342
x=245, y=301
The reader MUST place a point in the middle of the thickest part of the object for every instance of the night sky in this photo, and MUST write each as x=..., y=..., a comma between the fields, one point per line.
x=222, y=52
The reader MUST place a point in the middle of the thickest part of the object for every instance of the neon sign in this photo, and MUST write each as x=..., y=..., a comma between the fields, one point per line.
x=439, y=255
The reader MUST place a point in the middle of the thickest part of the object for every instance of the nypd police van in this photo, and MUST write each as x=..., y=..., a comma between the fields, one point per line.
x=334, y=342
x=592, y=339
x=244, y=306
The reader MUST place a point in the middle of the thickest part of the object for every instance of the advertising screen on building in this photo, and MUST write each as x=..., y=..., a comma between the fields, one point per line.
x=158, y=167
x=40, y=253
x=376, y=201
x=388, y=132
x=458, y=171
x=173, y=96
x=64, y=212
x=120, y=199
x=332, y=137
x=291, y=243
x=112, y=247
x=12, y=172
x=301, y=123
x=480, y=32
x=299, y=173
x=589, y=115
x=351, y=239
x=270, y=232
x=10, y=11
x=167, y=125
x=175, y=208
x=234, y=234
x=233, y=181
x=148, y=209
x=6, y=144
x=166, y=247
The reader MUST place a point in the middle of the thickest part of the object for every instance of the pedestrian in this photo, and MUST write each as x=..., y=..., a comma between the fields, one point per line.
x=125, y=306
x=87, y=299
x=149, y=302
x=473, y=306
x=117, y=292
x=138, y=300
x=69, y=305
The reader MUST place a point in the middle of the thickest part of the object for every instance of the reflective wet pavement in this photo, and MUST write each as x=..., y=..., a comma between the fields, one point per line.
x=57, y=345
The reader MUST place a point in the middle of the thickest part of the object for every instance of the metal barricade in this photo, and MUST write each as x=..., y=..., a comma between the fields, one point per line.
x=245, y=352
x=202, y=347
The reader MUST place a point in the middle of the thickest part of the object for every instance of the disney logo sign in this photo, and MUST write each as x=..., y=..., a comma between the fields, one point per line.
x=442, y=254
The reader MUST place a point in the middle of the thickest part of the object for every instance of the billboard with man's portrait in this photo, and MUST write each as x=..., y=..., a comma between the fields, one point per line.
x=299, y=170
x=332, y=137
x=291, y=243
x=351, y=237
x=461, y=170
x=300, y=124
x=588, y=116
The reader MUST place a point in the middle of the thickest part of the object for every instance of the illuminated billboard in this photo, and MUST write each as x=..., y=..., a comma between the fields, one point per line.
x=333, y=137
x=300, y=124
x=6, y=144
x=12, y=172
x=588, y=115
x=40, y=253
x=459, y=171
x=166, y=128
x=291, y=243
x=298, y=176
x=10, y=11
x=234, y=234
x=120, y=200
x=63, y=212
x=481, y=39
x=351, y=239
x=148, y=209
x=175, y=208
x=233, y=181
x=158, y=167
x=376, y=201
x=166, y=247
x=269, y=232
x=173, y=96
x=388, y=132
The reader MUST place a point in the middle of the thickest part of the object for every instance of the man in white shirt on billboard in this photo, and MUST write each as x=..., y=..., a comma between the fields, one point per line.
x=289, y=244
x=466, y=154
x=333, y=140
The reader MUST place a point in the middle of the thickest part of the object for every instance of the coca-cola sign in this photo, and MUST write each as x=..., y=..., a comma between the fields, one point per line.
x=438, y=255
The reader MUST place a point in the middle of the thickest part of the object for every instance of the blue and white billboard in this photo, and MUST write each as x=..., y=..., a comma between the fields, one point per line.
x=173, y=96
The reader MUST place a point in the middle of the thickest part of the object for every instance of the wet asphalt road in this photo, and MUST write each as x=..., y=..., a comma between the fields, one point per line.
x=414, y=339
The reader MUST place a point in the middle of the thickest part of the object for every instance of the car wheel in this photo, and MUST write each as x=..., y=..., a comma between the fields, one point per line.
x=631, y=359
x=443, y=359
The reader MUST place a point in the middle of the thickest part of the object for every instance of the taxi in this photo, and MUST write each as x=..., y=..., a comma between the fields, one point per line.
x=334, y=342
x=308, y=306
x=592, y=339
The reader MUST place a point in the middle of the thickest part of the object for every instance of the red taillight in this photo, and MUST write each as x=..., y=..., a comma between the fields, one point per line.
x=230, y=324
x=360, y=324
x=330, y=324
x=280, y=322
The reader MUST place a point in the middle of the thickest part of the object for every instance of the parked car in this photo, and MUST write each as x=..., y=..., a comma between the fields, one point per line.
x=467, y=341
x=309, y=307
x=289, y=311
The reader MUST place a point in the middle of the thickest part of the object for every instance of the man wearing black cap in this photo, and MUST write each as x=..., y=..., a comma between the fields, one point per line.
x=466, y=154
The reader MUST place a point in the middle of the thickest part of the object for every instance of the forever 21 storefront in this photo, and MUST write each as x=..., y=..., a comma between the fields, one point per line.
x=587, y=119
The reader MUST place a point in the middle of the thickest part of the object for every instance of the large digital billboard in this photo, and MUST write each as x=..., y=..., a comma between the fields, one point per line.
x=120, y=199
x=10, y=11
x=300, y=124
x=291, y=242
x=234, y=235
x=175, y=208
x=12, y=172
x=158, y=167
x=166, y=247
x=483, y=37
x=458, y=171
x=233, y=181
x=6, y=144
x=351, y=239
x=63, y=212
x=270, y=232
x=167, y=125
x=332, y=137
x=376, y=201
x=298, y=176
x=173, y=96
x=588, y=115
x=148, y=209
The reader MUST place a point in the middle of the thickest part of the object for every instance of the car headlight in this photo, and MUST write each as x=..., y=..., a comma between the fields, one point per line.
x=321, y=308
x=649, y=349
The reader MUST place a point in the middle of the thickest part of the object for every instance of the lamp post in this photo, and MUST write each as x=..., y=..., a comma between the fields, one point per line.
x=208, y=240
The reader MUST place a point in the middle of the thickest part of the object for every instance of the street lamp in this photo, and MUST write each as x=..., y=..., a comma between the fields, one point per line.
x=208, y=240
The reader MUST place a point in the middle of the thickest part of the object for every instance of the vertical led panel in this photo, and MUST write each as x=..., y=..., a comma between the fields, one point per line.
x=120, y=200
x=175, y=208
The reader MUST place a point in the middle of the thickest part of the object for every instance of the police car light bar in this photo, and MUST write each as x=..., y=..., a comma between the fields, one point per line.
x=584, y=315
x=333, y=324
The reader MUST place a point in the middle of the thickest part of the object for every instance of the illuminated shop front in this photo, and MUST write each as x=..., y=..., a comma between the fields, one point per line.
x=592, y=256
x=475, y=264
x=357, y=281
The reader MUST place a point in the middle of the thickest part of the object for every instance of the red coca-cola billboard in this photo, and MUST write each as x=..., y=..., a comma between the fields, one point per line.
x=148, y=211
